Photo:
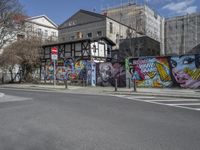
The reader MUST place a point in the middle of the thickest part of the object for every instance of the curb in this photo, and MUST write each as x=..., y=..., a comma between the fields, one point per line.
x=104, y=92
x=154, y=94
x=2, y=94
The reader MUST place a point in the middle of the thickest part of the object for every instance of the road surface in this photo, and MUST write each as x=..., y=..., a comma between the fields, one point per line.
x=38, y=120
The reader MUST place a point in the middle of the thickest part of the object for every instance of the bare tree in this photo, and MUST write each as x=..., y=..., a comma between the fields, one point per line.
x=25, y=53
x=10, y=20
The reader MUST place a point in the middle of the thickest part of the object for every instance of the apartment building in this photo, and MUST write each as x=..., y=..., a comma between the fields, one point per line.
x=90, y=25
x=141, y=18
x=41, y=26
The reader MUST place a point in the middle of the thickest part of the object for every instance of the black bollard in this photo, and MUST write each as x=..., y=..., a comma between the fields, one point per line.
x=115, y=85
x=135, y=89
x=129, y=83
x=66, y=84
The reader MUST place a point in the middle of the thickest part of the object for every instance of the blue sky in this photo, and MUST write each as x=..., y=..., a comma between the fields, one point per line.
x=60, y=10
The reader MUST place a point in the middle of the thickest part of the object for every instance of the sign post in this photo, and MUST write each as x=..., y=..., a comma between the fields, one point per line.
x=54, y=57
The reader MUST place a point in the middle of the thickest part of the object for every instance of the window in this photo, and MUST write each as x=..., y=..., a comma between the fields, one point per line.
x=99, y=33
x=111, y=27
x=46, y=33
x=72, y=37
x=79, y=35
x=89, y=35
x=53, y=33
x=39, y=31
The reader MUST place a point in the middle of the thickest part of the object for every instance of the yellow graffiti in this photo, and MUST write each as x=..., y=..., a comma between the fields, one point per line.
x=164, y=76
x=151, y=74
x=194, y=74
x=79, y=65
x=156, y=84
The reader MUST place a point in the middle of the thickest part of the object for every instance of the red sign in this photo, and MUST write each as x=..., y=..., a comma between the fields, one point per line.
x=54, y=50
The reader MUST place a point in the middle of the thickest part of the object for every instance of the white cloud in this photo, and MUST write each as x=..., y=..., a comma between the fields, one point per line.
x=186, y=6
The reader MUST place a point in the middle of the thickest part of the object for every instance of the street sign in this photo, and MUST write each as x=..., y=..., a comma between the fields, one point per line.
x=54, y=50
x=54, y=57
x=54, y=53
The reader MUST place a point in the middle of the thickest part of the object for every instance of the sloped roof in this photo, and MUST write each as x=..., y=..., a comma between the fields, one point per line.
x=85, y=12
x=43, y=16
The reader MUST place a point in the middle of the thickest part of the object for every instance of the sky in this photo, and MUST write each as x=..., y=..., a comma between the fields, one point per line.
x=61, y=10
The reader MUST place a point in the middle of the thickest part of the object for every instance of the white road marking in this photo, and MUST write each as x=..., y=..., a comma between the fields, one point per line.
x=184, y=104
x=9, y=98
x=2, y=94
x=148, y=97
x=159, y=102
x=177, y=100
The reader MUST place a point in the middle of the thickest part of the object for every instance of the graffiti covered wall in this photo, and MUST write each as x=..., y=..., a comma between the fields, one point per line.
x=106, y=74
x=186, y=70
x=151, y=71
x=71, y=70
x=182, y=71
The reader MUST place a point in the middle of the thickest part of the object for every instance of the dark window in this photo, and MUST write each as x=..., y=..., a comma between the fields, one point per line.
x=99, y=33
x=111, y=27
x=89, y=35
x=72, y=37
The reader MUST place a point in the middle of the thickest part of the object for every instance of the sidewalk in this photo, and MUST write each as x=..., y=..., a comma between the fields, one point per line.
x=166, y=92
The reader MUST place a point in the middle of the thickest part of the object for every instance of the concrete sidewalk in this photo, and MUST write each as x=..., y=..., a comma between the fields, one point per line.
x=165, y=92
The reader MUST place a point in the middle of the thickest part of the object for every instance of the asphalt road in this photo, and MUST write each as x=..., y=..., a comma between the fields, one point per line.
x=32, y=120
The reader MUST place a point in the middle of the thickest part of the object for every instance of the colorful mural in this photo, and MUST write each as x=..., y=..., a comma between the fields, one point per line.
x=182, y=71
x=186, y=70
x=108, y=72
x=72, y=70
x=151, y=71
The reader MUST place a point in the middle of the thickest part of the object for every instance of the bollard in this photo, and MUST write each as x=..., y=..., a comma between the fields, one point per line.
x=129, y=83
x=115, y=85
x=135, y=89
x=66, y=84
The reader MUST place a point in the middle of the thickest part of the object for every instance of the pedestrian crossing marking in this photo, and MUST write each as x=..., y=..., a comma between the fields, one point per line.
x=181, y=103
x=184, y=104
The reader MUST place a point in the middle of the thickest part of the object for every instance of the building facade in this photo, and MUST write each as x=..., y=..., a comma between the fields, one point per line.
x=141, y=18
x=89, y=25
x=42, y=27
x=182, y=34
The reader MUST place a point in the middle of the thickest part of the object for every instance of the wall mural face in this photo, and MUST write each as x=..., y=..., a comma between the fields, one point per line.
x=186, y=70
x=151, y=72
x=108, y=72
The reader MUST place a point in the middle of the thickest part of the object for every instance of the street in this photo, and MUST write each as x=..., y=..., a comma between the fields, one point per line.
x=39, y=120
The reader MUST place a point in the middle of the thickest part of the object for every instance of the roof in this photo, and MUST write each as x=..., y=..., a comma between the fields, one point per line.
x=96, y=15
x=35, y=17
x=81, y=40
x=86, y=12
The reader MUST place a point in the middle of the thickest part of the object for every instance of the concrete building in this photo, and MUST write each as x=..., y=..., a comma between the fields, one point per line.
x=141, y=18
x=136, y=47
x=182, y=34
x=89, y=25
